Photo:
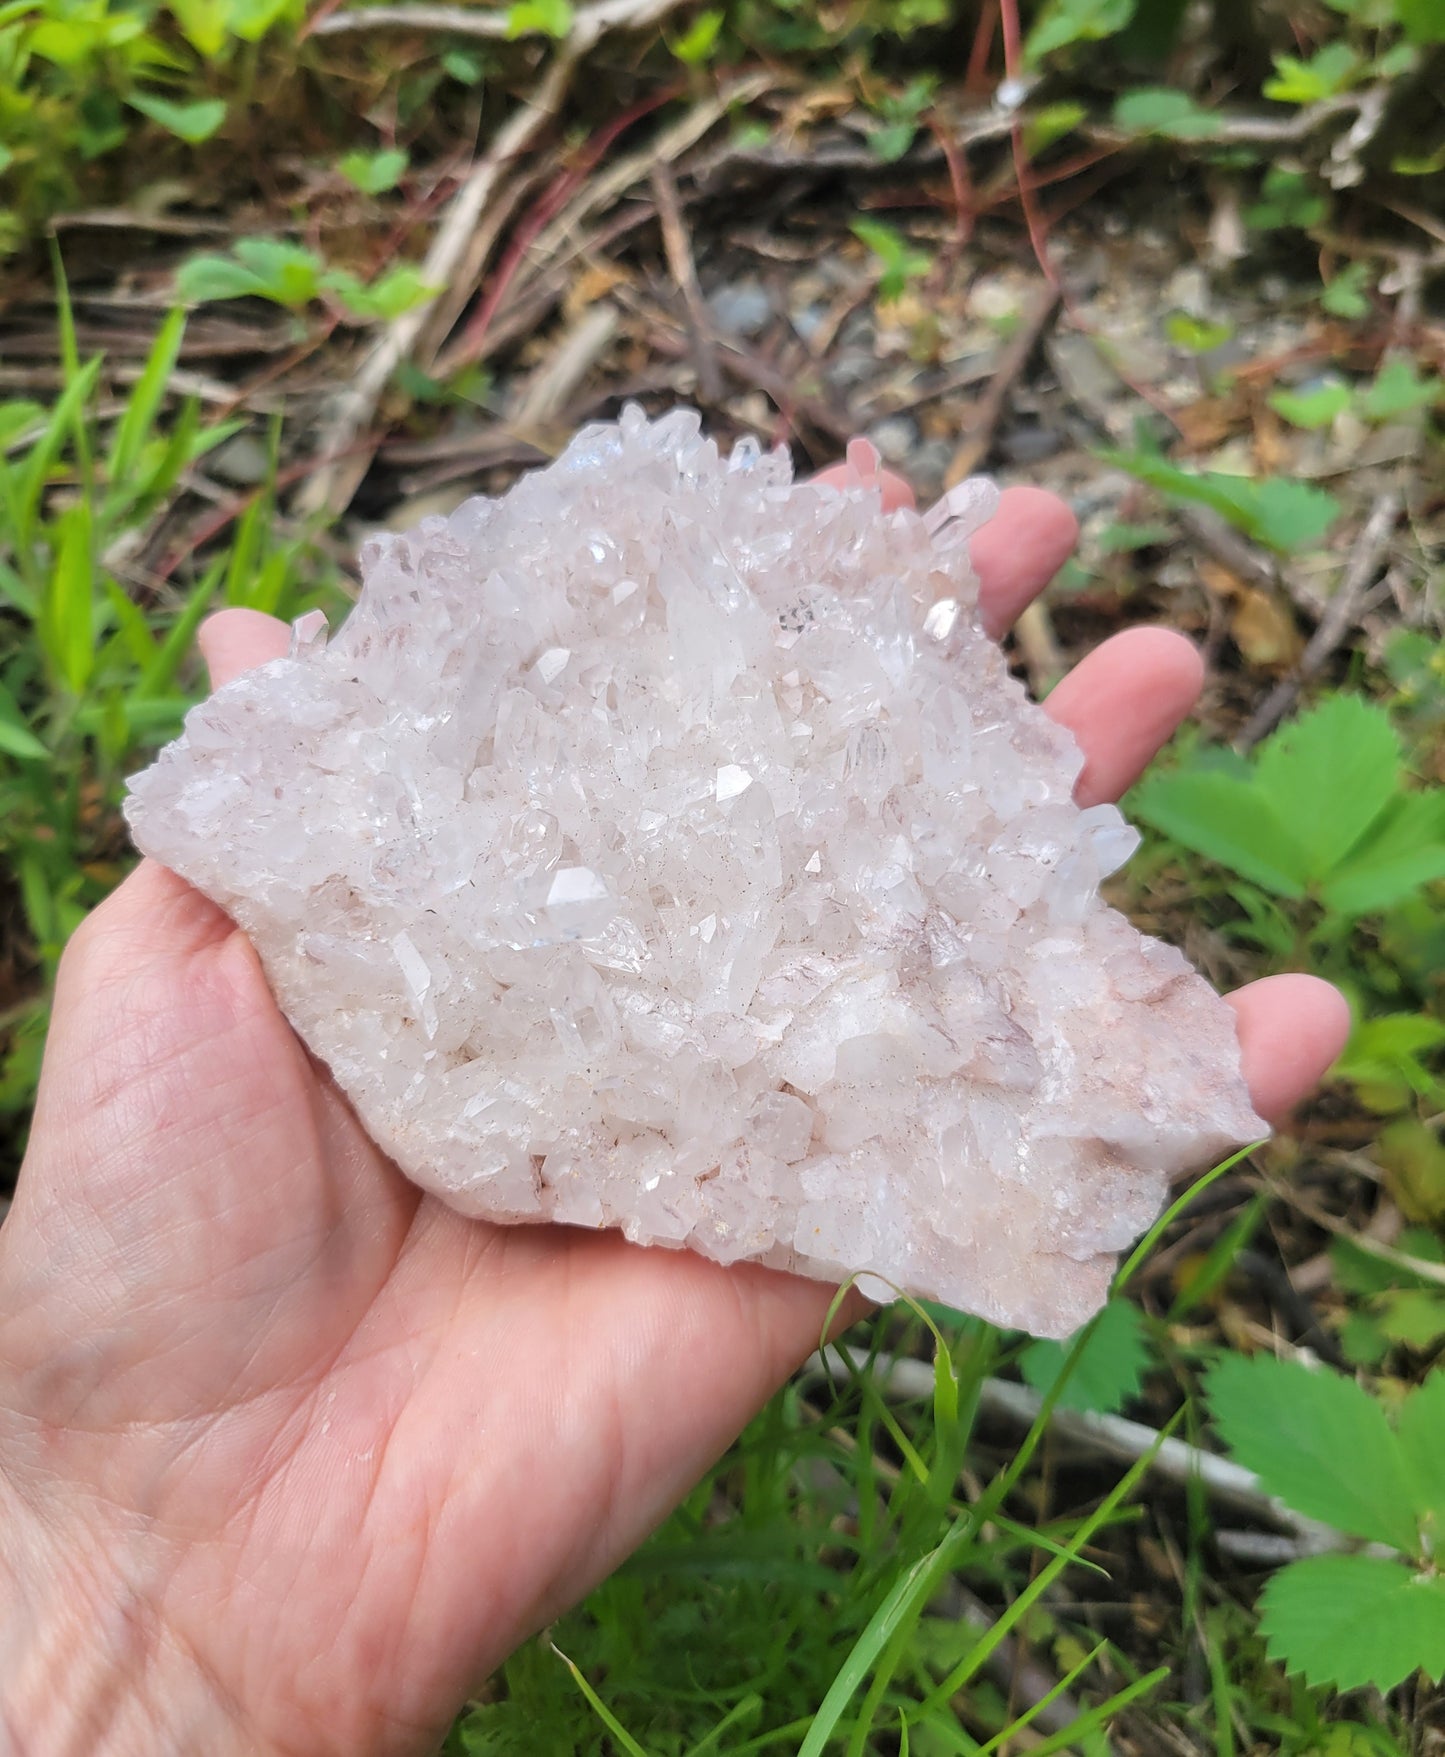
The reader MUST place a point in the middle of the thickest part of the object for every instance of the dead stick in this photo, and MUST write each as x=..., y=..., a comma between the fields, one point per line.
x=1339, y=617
x=678, y=249
x=978, y=434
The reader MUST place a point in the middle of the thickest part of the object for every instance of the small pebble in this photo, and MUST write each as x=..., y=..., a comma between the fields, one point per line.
x=741, y=308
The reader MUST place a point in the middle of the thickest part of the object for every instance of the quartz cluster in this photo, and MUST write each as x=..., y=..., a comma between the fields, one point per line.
x=664, y=846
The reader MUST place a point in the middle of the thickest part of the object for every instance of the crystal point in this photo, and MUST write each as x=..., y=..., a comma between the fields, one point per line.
x=664, y=846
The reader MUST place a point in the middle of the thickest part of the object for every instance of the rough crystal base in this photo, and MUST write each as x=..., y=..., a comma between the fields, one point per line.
x=664, y=846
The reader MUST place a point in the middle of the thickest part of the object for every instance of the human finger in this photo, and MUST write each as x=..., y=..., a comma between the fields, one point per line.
x=1019, y=551
x=233, y=641
x=1291, y=1028
x=1123, y=703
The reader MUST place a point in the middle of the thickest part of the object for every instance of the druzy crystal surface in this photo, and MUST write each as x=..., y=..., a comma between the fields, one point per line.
x=664, y=846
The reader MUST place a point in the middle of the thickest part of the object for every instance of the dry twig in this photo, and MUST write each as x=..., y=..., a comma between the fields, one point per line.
x=334, y=483
x=1173, y=1461
x=678, y=249
x=1339, y=618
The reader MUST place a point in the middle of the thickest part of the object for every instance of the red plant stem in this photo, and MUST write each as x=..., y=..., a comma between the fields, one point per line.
x=1033, y=217
x=965, y=205
x=977, y=71
x=469, y=345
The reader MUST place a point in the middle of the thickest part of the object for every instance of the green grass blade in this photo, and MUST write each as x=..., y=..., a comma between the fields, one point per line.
x=1046, y=1701
x=160, y=674
x=141, y=409
x=67, y=612
x=901, y=1608
x=35, y=475
x=1172, y=1213
x=978, y=1655
x=600, y=1708
x=1067, y=1738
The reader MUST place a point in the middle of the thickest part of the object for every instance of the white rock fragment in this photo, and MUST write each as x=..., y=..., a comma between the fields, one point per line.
x=664, y=846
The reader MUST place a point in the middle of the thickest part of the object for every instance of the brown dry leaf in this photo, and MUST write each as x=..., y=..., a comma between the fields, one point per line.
x=1261, y=627
x=1265, y=631
x=1209, y=422
x=1273, y=450
x=595, y=282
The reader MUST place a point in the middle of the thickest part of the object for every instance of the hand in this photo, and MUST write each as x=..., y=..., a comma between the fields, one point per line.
x=290, y=1455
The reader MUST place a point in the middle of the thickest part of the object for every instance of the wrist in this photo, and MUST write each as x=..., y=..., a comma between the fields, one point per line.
x=87, y=1664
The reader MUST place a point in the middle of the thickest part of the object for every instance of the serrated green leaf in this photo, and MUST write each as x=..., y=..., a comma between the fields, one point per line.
x=1167, y=111
x=1328, y=776
x=1344, y=296
x=1399, y=390
x=192, y=122
x=1312, y=408
x=1355, y=1620
x=1110, y=1366
x=374, y=173
x=1228, y=820
x=1421, y=1430
x=1283, y=514
x=1412, y=1316
x=1334, y=69
x=1318, y=1441
x=204, y=278
x=1062, y=22
x=1403, y=850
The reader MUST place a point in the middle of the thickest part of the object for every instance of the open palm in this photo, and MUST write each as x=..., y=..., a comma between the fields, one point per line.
x=290, y=1455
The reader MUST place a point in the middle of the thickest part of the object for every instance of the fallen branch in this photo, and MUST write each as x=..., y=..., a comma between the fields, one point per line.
x=1341, y=613
x=1173, y=1461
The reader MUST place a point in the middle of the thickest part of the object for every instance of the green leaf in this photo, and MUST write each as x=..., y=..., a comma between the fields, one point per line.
x=1317, y=1441
x=143, y=403
x=1328, y=775
x=399, y=289
x=18, y=419
x=1197, y=334
x=1109, y=1368
x=548, y=18
x=194, y=122
x=1423, y=20
x=1387, y=1050
x=1403, y=850
x=1421, y=1430
x=16, y=738
x=1163, y=110
x=374, y=173
x=1412, y=1316
x=290, y=273
x=1050, y=123
x=696, y=44
x=1063, y=22
x=1334, y=69
x=216, y=277
x=901, y=262
x=1224, y=819
x=1399, y=390
x=1344, y=296
x=67, y=612
x=1283, y=514
x=1349, y=1621
x=1312, y=408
